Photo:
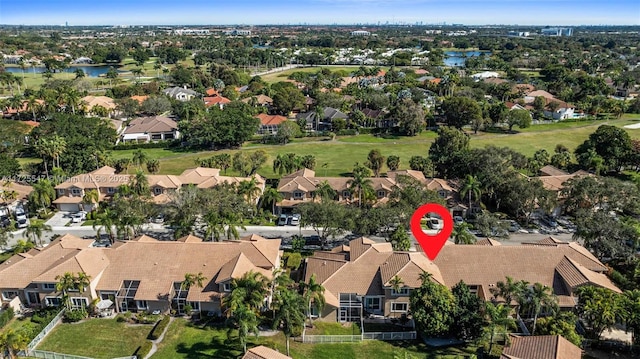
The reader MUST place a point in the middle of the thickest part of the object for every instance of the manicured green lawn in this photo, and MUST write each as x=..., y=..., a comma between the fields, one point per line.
x=4, y=256
x=321, y=328
x=185, y=341
x=282, y=76
x=96, y=338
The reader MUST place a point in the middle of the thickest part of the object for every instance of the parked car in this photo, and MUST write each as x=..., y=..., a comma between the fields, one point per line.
x=434, y=223
x=312, y=241
x=158, y=219
x=78, y=217
x=4, y=221
x=457, y=220
x=294, y=220
x=22, y=221
x=282, y=220
x=19, y=211
x=513, y=226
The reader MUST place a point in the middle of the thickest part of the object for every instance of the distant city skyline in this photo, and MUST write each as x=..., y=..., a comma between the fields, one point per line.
x=313, y=12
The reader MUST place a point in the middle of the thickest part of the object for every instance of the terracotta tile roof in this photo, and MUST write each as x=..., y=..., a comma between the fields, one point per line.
x=262, y=352
x=22, y=189
x=260, y=99
x=237, y=267
x=487, y=242
x=576, y=275
x=438, y=184
x=140, y=99
x=215, y=100
x=151, y=124
x=190, y=239
x=270, y=119
x=492, y=264
x=104, y=101
x=550, y=170
x=541, y=347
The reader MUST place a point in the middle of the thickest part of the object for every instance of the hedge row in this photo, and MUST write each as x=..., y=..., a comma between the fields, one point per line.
x=144, y=350
x=156, y=332
x=135, y=146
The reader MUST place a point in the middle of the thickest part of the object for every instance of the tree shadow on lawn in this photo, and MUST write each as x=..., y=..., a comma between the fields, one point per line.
x=217, y=348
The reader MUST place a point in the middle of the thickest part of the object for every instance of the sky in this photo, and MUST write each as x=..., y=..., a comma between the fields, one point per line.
x=256, y=12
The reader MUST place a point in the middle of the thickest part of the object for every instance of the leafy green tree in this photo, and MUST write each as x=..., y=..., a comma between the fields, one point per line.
x=308, y=161
x=468, y=321
x=327, y=218
x=432, y=306
x=611, y=143
x=221, y=128
x=507, y=290
x=12, y=341
x=562, y=323
x=248, y=291
x=520, y=118
x=286, y=97
x=375, y=161
x=422, y=164
x=461, y=234
x=631, y=313
x=471, y=187
x=153, y=165
x=450, y=152
x=271, y=196
x=246, y=322
x=599, y=307
x=287, y=131
x=460, y=111
x=400, y=240
x=393, y=162
x=410, y=117
x=23, y=246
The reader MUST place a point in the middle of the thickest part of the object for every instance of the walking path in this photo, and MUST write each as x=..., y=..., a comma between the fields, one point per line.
x=154, y=343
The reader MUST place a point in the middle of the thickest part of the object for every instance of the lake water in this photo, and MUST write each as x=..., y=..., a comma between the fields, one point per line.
x=458, y=58
x=90, y=71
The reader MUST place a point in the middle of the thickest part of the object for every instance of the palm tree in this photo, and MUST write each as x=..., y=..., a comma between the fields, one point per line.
x=91, y=197
x=461, y=234
x=35, y=230
x=23, y=246
x=139, y=184
x=360, y=185
x=44, y=148
x=58, y=146
x=499, y=320
x=425, y=276
x=16, y=102
x=250, y=190
x=12, y=342
x=246, y=322
x=104, y=222
x=541, y=296
x=271, y=196
x=325, y=191
x=153, y=165
x=248, y=291
x=313, y=294
x=396, y=283
x=66, y=283
x=471, y=187
x=140, y=158
x=137, y=72
x=43, y=194
x=290, y=314
x=33, y=105
x=191, y=280
x=521, y=294
x=82, y=281
x=506, y=290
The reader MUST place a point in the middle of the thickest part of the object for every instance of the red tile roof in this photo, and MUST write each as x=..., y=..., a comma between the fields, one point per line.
x=270, y=119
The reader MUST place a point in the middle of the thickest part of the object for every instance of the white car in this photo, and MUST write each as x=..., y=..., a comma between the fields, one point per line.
x=22, y=221
x=78, y=217
x=435, y=223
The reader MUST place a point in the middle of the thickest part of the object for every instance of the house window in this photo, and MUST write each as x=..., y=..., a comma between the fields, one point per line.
x=372, y=303
x=111, y=190
x=226, y=287
x=168, y=136
x=381, y=194
x=156, y=136
x=401, y=291
x=76, y=191
x=142, y=304
x=297, y=195
x=157, y=190
x=60, y=192
x=195, y=305
x=346, y=194
x=399, y=307
x=10, y=294
x=52, y=301
x=79, y=302
x=49, y=286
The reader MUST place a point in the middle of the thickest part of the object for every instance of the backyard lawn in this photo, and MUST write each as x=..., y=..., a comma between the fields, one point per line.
x=186, y=341
x=96, y=338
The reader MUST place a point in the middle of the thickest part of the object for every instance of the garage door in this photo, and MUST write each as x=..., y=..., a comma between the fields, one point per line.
x=69, y=207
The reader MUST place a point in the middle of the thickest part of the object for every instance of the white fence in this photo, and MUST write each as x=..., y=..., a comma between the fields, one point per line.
x=34, y=343
x=357, y=338
x=52, y=355
x=389, y=336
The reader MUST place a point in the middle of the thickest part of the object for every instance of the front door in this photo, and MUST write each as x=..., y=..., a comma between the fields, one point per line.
x=33, y=298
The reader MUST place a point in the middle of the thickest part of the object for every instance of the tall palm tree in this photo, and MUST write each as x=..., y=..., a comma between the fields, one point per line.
x=44, y=148
x=313, y=294
x=396, y=283
x=91, y=197
x=139, y=158
x=82, y=281
x=58, y=146
x=541, y=297
x=104, y=222
x=499, y=320
x=290, y=314
x=506, y=290
x=153, y=166
x=36, y=229
x=471, y=187
x=325, y=191
x=271, y=196
x=66, y=283
x=246, y=322
x=139, y=184
x=250, y=190
x=360, y=185
x=248, y=291
x=191, y=280
x=33, y=105
x=43, y=193
x=16, y=102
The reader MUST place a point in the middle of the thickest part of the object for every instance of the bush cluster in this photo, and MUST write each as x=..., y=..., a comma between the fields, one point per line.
x=6, y=316
x=159, y=328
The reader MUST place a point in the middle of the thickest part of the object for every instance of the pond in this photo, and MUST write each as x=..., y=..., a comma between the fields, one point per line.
x=90, y=71
x=458, y=58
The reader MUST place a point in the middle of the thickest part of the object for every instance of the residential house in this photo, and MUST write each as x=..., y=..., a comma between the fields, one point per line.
x=324, y=123
x=554, y=108
x=83, y=60
x=152, y=128
x=181, y=93
x=300, y=186
x=260, y=100
x=484, y=75
x=269, y=124
x=103, y=101
x=540, y=347
x=554, y=179
x=138, y=275
x=139, y=98
x=216, y=100
x=70, y=193
x=262, y=352
x=358, y=278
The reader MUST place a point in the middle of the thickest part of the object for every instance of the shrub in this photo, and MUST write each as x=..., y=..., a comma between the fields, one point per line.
x=6, y=316
x=294, y=260
x=75, y=315
x=159, y=328
x=120, y=318
x=347, y=132
x=144, y=349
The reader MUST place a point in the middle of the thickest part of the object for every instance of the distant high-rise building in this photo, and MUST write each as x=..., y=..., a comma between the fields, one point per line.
x=557, y=31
